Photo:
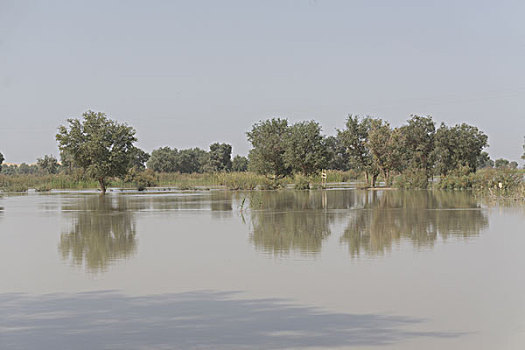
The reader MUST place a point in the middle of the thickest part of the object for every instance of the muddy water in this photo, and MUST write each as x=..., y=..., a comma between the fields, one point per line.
x=261, y=270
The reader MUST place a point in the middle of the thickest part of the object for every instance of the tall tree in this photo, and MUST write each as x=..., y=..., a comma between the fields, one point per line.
x=354, y=138
x=220, y=157
x=458, y=146
x=48, y=164
x=192, y=160
x=163, y=160
x=102, y=147
x=418, y=143
x=337, y=155
x=240, y=163
x=268, y=139
x=1, y=160
x=305, y=150
x=384, y=145
x=484, y=161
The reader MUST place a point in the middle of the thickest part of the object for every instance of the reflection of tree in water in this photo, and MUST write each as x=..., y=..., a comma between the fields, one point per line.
x=103, y=231
x=420, y=217
x=294, y=220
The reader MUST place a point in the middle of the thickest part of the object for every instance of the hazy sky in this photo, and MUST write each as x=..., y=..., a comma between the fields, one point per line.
x=189, y=73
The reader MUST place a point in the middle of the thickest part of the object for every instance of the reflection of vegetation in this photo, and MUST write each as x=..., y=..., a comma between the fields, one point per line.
x=295, y=220
x=420, y=217
x=103, y=231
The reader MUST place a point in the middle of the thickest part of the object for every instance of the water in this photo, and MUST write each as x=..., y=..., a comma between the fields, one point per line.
x=261, y=270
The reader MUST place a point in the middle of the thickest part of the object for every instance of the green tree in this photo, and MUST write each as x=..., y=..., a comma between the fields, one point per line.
x=513, y=165
x=163, y=160
x=354, y=138
x=48, y=164
x=458, y=147
x=26, y=169
x=139, y=159
x=1, y=160
x=484, y=161
x=305, y=150
x=501, y=163
x=240, y=163
x=220, y=157
x=337, y=156
x=192, y=160
x=268, y=139
x=418, y=144
x=100, y=146
x=384, y=145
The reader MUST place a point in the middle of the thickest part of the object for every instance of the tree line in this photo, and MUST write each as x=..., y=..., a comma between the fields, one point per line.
x=102, y=148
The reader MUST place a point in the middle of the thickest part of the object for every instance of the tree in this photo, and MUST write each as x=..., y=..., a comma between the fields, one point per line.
x=484, y=161
x=100, y=146
x=501, y=163
x=240, y=163
x=384, y=145
x=1, y=160
x=354, y=139
x=268, y=139
x=418, y=144
x=337, y=156
x=163, y=160
x=139, y=159
x=305, y=149
x=220, y=157
x=48, y=164
x=458, y=146
x=192, y=160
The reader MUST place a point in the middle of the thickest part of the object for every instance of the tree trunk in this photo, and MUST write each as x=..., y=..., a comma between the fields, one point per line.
x=366, y=178
x=102, y=186
x=374, y=177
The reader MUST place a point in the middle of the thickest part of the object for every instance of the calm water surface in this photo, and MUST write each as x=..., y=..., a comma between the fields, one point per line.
x=261, y=270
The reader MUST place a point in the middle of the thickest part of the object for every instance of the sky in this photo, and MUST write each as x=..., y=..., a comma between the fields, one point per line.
x=190, y=73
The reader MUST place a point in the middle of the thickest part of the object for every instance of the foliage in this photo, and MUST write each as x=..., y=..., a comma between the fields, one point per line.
x=163, y=160
x=48, y=164
x=305, y=151
x=496, y=182
x=141, y=178
x=418, y=144
x=501, y=163
x=220, y=157
x=268, y=139
x=100, y=146
x=354, y=139
x=139, y=158
x=415, y=179
x=192, y=160
x=240, y=164
x=302, y=183
x=484, y=161
x=458, y=146
x=385, y=146
x=338, y=158
x=1, y=160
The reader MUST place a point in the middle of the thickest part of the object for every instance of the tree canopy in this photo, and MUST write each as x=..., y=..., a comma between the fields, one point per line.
x=100, y=146
x=268, y=140
x=48, y=164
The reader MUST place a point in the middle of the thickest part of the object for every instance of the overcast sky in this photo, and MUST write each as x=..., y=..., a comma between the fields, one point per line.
x=189, y=73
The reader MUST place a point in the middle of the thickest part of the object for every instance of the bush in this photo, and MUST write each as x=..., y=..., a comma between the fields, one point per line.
x=413, y=179
x=302, y=183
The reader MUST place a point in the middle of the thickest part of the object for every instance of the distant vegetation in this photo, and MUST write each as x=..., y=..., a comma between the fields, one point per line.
x=97, y=150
